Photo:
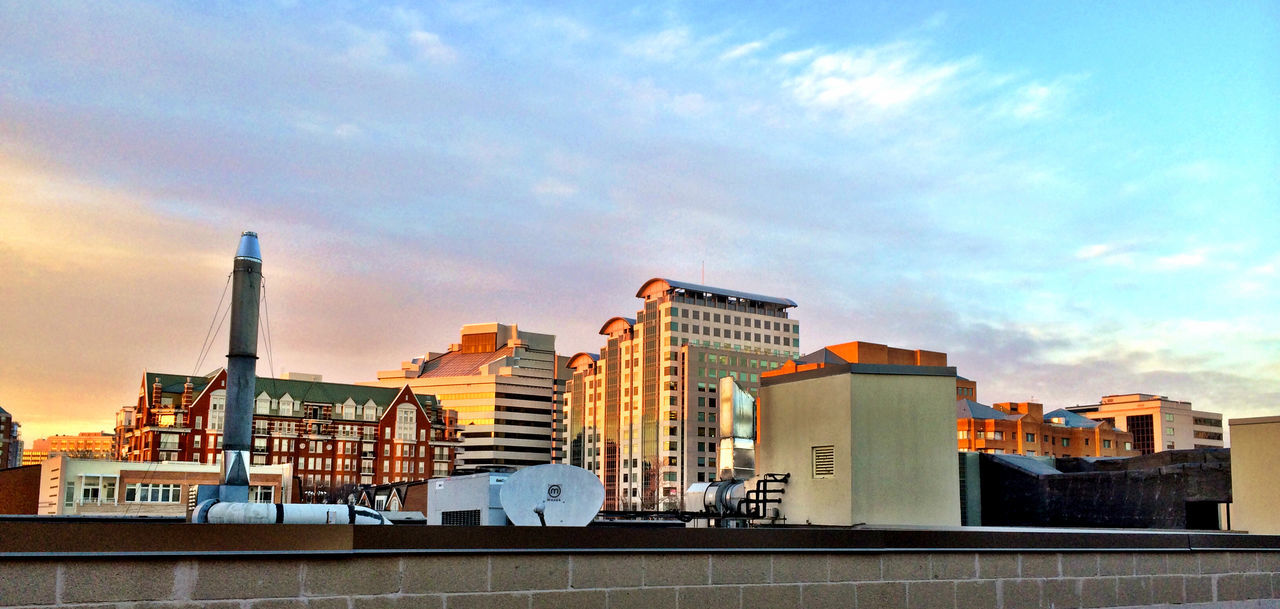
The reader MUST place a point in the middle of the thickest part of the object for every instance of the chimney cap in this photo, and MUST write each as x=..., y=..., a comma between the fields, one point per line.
x=249, y=246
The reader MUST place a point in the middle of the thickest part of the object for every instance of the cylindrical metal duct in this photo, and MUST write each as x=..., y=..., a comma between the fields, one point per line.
x=215, y=512
x=242, y=361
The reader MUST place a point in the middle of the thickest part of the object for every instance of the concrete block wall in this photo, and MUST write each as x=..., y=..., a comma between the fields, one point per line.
x=720, y=580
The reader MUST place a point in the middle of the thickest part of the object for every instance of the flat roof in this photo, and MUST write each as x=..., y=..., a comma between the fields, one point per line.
x=1254, y=420
x=836, y=369
x=693, y=287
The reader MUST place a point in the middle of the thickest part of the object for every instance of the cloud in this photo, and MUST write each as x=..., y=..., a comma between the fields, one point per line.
x=1032, y=101
x=1182, y=260
x=743, y=50
x=873, y=80
x=431, y=48
x=794, y=57
x=555, y=188
x=1110, y=254
x=665, y=45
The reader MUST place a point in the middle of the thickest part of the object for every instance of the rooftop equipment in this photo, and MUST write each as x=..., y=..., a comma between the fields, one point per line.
x=555, y=495
x=470, y=500
x=542, y=495
x=229, y=502
x=727, y=500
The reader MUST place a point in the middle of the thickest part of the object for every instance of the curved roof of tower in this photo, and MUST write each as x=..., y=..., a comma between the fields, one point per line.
x=629, y=321
x=693, y=287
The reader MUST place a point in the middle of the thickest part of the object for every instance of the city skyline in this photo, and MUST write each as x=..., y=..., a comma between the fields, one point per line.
x=1070, y=201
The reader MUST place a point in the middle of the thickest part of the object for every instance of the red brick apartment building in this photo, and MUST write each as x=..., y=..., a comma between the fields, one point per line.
x=1023, y=428
x=333, y=434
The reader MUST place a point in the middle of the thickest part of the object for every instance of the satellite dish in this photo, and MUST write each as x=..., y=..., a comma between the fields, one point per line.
x=553, y=495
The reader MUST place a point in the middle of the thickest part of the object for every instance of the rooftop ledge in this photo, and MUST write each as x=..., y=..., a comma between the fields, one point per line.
x=60, y=538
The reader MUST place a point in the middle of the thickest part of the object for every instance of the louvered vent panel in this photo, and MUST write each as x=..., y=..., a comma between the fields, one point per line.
x=824, y=461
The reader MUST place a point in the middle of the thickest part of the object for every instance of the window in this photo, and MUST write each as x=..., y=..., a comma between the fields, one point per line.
x=1168, y=417
x=406, y=421
x=1106, y=443
x=262, y=494
x=1066, y=441
x=153, y=493
x=962, y=434
x=89, y=487
x=1168, y=431
x=824, y=461
x=217, y=409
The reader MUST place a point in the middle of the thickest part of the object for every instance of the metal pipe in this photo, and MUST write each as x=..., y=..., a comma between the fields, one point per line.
x=224, y=512
x=242, y=362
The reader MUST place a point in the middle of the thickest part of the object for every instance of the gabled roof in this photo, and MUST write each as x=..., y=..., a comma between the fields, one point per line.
x=969, y=409
x=693, y=287
x=1071, y=419
x=457, y=363
x=301, y=391
x=174, y=383
x=823, y=356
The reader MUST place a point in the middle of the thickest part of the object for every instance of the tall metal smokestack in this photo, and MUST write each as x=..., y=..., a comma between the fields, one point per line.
x=229, y=502
x=242, y=368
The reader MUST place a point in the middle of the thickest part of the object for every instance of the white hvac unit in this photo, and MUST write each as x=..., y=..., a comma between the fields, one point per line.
x=471, y=500
x=543, y=495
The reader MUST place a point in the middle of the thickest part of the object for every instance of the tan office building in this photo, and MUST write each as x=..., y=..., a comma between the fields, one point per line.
x=1255, y=451
x=1157, y=422
x=501, y=382
x=641, y=414
x=866, y=432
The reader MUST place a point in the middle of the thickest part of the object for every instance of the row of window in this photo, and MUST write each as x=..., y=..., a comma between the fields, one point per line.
x=737, y=376
x=102, y=489
x=736, y=320
x=785, y=341
x=1030, y=438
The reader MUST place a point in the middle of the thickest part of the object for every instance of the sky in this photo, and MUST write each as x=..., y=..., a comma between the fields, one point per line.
x=1070, y=199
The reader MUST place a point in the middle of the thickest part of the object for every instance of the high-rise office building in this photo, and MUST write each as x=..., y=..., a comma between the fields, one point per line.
x=641, y=414
x=10, y=441
x=1157, y=422
x=502, y=383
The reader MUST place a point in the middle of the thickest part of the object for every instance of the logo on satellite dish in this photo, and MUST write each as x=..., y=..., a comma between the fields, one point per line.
x=553, y=492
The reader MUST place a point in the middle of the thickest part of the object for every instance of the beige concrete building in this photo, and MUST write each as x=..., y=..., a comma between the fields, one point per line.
x=864, y=441
x=93, y=487
x=1255, y=496
x=85, y=445
x=642, y=413
x=1157, y=422
x=502, y=384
